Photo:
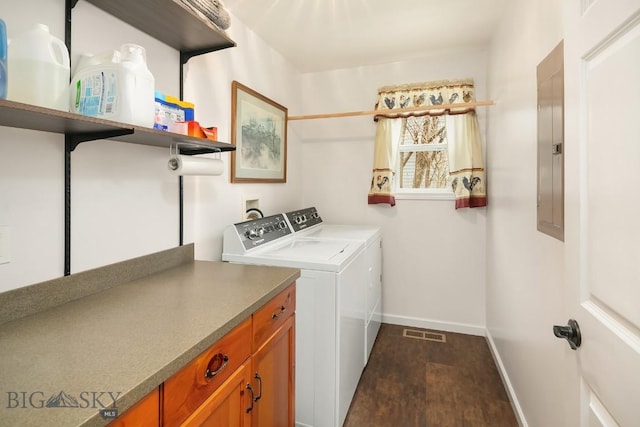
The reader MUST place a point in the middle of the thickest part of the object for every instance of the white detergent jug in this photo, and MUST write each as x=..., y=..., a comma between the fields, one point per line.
x=38, y=64
x=115, y=86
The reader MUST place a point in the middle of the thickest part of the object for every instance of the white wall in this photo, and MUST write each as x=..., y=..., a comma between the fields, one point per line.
x=124, y=201
x=524, y=267
x=434, y=261
x=214, y=202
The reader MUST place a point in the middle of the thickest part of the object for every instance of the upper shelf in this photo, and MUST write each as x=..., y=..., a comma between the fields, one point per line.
x=25, y=116
x=170, y=22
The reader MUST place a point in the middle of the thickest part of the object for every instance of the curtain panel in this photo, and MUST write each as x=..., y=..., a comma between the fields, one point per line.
x=384, y=163
x=466, y=169
x=464, y=144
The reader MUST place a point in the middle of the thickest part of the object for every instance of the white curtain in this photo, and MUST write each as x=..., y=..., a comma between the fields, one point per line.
x=463, y=138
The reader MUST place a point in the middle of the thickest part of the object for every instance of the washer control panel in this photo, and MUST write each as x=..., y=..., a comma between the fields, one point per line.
x=263, y=230
x=303, y=218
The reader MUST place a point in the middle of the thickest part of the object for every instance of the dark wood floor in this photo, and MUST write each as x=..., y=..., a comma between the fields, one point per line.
x=412, y=382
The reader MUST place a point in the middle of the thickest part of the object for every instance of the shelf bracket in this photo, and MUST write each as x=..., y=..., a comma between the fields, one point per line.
x=186, y=55
x=76, y=139
x=71, y=141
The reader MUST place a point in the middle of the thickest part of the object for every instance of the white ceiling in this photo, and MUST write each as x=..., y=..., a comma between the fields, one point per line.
x=318, y=35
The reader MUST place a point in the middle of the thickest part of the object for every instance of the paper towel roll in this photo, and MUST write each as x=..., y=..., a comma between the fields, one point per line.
x=189, y=165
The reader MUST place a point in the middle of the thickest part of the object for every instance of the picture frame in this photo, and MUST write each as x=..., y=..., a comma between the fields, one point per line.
x=259, y=132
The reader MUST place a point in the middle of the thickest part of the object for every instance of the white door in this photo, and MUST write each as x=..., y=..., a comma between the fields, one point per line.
x=602, y=128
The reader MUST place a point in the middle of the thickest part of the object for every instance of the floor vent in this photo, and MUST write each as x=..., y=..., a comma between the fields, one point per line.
x=424, y=335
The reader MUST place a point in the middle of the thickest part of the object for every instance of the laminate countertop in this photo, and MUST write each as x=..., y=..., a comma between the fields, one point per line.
x=124, y=341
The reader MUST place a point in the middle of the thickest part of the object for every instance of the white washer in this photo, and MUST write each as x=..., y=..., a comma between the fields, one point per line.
x=329, y=311
x=308, y=223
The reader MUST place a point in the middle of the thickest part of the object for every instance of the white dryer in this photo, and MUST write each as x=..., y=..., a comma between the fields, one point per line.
x=329, y=311
x=308, y=223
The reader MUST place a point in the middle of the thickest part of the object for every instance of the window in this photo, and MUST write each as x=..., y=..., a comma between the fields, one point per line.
x=435, y=154
x=423, y=165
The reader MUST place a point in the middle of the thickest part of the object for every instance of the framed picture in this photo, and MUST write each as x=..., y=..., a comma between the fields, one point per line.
x=259, y=132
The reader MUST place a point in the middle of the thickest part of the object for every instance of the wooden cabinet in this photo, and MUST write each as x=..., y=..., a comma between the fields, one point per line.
x=273, y=361
x=229, y=406
x=145, y=413
x=245, y=379
x=273, y=370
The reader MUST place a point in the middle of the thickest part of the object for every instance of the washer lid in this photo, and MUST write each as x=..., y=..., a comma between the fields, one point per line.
x=362, y=233
x=310, y=254
x=321, y=250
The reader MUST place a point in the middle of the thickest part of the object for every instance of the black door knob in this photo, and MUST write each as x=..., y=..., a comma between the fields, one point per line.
x=571, y=333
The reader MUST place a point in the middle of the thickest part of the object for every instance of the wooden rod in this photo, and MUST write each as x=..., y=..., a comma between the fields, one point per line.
x=398, y=110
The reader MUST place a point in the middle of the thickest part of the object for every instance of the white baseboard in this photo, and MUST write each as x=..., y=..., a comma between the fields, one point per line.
x=460, y=328
x=517, y=409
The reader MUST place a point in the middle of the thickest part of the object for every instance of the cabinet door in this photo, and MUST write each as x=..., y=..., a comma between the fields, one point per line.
x=273, y=378
x=145, y=413
x=229, y=406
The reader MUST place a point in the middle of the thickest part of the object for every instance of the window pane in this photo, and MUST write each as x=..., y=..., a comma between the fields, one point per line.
x=419, y=168
x=424, y=130
x=424, y=169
